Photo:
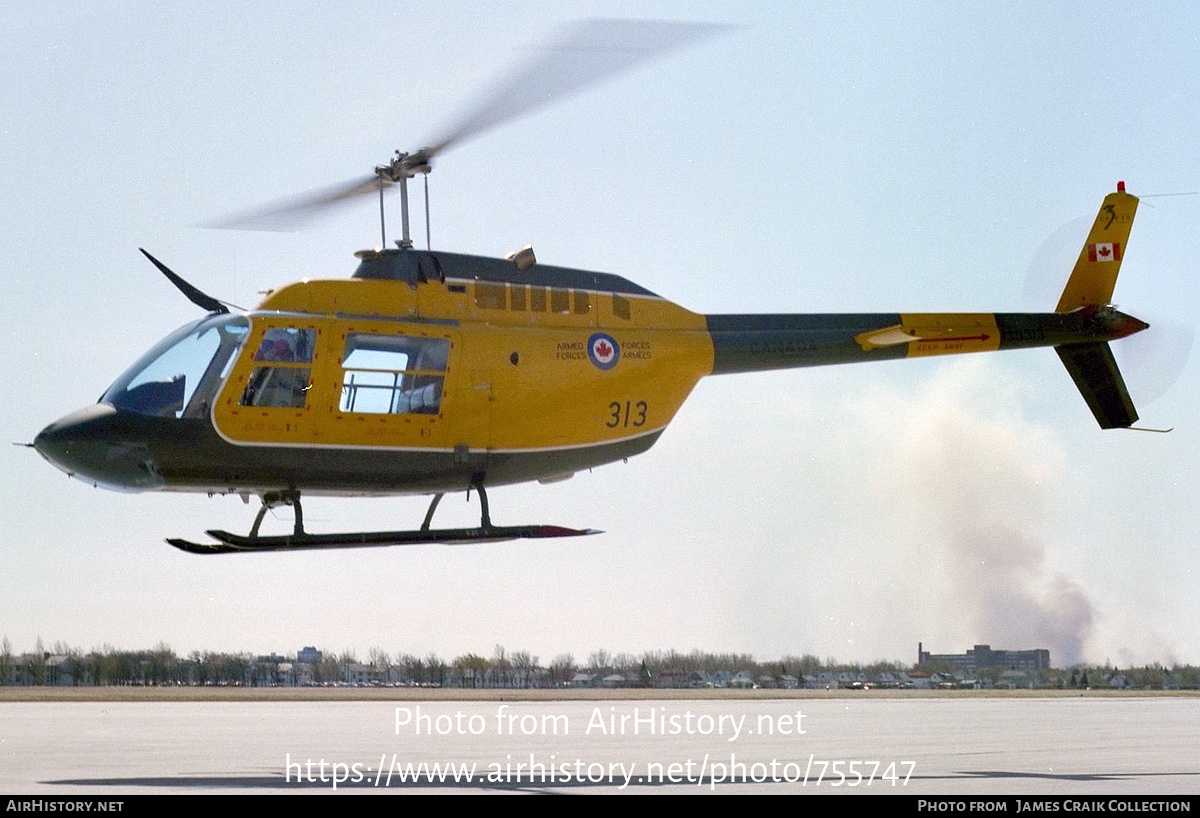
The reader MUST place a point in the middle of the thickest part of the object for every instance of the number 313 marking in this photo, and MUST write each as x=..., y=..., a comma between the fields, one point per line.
x=619, y=414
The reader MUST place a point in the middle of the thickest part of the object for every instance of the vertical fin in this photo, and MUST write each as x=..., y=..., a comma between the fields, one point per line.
x=1095, y=373
x=1095, y=274
x=1091, y=365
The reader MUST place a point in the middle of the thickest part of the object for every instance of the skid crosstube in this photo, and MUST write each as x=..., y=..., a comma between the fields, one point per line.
x=236, y=543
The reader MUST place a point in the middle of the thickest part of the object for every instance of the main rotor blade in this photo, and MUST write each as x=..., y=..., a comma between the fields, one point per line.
x=580, y=55
x=290, y=215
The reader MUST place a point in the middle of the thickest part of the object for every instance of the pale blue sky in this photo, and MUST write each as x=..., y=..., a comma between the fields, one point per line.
x=820, y=158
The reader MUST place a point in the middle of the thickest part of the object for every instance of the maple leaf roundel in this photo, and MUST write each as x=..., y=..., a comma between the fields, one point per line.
x=603, y=350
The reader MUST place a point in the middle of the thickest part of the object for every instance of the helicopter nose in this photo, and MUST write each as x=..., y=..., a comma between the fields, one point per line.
x=91, y=445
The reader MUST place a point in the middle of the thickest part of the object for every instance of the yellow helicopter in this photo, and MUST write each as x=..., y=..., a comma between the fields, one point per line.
x=430, y=372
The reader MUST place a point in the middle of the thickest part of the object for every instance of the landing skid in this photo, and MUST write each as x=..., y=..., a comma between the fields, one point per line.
x=299, y=540
x=232, y=543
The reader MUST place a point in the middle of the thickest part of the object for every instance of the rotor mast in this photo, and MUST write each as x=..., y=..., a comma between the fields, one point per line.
x=401, y=168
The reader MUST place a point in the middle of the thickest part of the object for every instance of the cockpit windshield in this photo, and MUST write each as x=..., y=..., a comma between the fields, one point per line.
x=180, y=376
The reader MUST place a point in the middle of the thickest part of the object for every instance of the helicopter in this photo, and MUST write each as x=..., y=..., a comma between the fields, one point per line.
x=430, y=372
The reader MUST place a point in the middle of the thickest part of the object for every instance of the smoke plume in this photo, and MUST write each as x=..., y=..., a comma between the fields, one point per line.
x=978, y=484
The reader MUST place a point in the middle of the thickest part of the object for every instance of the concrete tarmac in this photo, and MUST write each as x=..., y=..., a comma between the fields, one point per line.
x=861, y=743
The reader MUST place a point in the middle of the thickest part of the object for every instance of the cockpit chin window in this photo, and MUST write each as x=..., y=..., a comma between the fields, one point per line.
x=180, y=376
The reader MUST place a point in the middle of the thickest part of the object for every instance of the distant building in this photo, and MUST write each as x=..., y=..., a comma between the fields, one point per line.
x=309, y=656
x=672, y=679
x=361, y=675
x=62, y=670
x=982, y=656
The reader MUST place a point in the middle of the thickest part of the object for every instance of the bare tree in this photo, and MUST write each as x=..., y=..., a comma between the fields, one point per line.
x=36, y=666
x=379, y=659
x=501, y=668
x=435, y=668
x=525, y=665
x=562, y=669
x=411, y=668
x=6, y=661
x=471, y=669
x=598, y=660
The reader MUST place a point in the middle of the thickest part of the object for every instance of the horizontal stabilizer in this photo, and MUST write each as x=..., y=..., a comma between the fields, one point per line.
x=1095, y=373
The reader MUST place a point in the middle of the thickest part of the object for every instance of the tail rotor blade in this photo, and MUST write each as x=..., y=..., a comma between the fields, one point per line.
x=1154, y=359
x=1052, y=263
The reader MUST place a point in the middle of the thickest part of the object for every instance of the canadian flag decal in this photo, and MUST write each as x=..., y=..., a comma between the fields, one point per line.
x=1104, y=252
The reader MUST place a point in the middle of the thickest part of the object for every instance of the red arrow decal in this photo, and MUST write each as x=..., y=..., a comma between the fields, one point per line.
x=980, y=337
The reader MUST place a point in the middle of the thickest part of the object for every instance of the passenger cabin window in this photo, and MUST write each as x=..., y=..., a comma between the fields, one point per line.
x=620, y=307
x=537, y=299
x=283, y=383
x=517, y=297
x=489, y=295
x=393, y=374
x=560, y=300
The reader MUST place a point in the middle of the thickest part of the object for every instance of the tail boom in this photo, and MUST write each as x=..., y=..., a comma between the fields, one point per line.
x=1079, y=329
x=751, y=343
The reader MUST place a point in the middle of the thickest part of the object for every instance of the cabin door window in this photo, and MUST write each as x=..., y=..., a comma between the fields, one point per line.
x=393, y=374
x=283, y=369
